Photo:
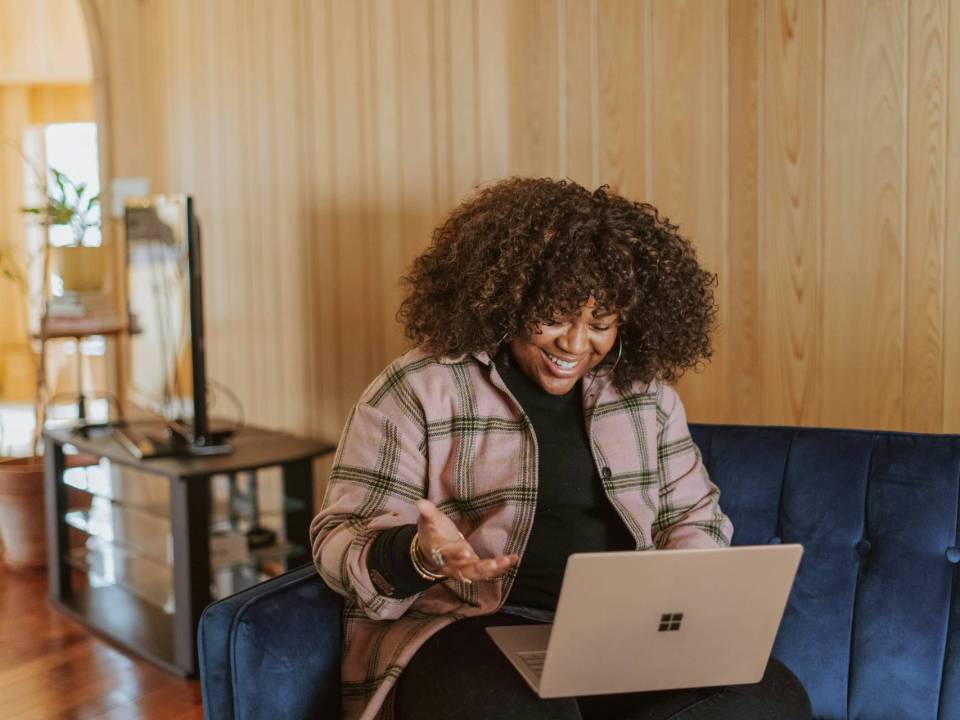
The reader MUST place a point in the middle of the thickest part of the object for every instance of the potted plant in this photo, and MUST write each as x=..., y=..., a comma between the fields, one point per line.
x=22, y=515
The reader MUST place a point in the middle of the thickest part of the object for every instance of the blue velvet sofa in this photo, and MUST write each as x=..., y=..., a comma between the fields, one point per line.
x=872, y=626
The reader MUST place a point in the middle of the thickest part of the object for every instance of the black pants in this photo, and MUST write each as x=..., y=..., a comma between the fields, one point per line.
x=459, y=673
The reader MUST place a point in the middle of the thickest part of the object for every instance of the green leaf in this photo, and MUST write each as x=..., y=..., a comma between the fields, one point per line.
x=60, y=179
x=61, y=215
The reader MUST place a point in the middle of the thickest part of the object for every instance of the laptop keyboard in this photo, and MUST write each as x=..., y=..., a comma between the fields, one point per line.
x=534, y=660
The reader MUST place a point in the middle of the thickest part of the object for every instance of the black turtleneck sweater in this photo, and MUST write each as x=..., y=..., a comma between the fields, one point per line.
x=572, y=514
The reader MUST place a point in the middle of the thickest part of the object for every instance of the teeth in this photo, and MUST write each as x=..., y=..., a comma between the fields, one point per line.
x=562, y=364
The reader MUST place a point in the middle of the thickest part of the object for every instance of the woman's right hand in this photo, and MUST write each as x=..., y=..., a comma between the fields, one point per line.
x=435, y=531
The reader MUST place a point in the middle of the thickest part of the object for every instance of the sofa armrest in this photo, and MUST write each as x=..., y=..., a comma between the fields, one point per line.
x=283, y=638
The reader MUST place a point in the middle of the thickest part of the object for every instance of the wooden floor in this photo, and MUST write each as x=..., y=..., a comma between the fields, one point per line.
x=52, y=668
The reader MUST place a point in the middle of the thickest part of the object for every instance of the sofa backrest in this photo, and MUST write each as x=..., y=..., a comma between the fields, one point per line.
x=872, y=626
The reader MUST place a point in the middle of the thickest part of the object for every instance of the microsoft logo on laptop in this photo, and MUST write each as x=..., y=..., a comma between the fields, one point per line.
x=670, y=621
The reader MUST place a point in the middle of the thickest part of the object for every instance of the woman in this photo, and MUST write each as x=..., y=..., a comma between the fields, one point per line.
x=534, y=418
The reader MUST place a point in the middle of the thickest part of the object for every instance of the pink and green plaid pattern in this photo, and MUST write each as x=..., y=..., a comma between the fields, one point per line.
x=449, y=430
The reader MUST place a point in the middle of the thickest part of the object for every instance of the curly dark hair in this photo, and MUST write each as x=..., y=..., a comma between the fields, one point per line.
x=525, y=251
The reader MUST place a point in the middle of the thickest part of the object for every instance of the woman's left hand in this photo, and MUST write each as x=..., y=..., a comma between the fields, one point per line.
x=439, y=540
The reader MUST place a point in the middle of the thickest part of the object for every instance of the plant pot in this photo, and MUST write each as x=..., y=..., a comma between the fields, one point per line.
x=23, y=529
x=22, y=520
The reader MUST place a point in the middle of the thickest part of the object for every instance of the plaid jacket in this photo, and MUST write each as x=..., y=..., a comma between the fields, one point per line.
x=449, y=430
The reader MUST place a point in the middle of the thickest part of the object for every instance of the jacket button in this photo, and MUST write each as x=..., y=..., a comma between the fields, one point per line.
x=953, y=555
x=605, y=473
x=863, y=548
x=775, y=540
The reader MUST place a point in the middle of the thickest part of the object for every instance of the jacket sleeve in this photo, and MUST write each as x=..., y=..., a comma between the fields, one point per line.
x=378, y=474
x=689, y=514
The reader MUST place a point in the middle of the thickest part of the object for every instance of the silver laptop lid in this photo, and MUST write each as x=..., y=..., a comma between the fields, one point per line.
x=637, y=621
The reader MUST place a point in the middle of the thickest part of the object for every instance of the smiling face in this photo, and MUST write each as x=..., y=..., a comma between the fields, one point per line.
x=557, y=355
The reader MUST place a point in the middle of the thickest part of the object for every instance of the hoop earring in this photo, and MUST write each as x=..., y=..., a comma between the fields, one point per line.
x=498, y=350
x=619, y=353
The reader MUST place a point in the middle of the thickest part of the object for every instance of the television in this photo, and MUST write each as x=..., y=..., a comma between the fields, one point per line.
x=165, y=364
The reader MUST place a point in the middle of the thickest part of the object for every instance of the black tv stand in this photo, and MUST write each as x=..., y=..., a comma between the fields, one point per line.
x=129, y=604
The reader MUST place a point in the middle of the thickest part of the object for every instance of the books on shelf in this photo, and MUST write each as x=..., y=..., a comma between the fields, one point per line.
x=84, y=303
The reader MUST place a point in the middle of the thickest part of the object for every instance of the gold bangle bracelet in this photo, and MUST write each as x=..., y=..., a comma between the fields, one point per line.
x=418, y=565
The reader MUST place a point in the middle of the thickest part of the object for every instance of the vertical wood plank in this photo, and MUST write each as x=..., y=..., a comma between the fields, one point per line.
x=579, y=42
x=356, y=343
x=328, y=399
x=179, y=83
x=125, y=77
x=690, y=185
x=533, y=102
x=153, y=91
x=389, y=182
x=951, y=284
x=440, y=73
x=790, y=282
x=418, y=207
x=623, y=55
x=535, y=87
x=493, y=82
x=864, y=214
x=287, y=357
x=464, y=125
x=926, y=206
x=253, y=148
x=306, y=245
x=743, y=380
x=378, y=322
x=200, y=180
x=223, y=54
x=260, y=175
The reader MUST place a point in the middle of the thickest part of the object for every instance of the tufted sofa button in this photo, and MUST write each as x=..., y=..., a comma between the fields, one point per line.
x=863, y=548
x=953, y=555
x=606, y=473
x=775, y=540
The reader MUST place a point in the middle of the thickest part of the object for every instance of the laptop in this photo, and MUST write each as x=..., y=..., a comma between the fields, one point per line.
x=656, y=620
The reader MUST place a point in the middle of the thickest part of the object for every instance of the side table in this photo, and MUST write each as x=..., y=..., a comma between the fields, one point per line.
x=130, y=540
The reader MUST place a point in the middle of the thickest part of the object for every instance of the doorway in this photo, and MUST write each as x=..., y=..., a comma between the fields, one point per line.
x=48, y=134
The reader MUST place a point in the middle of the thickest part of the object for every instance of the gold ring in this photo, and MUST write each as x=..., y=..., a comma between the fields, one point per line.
x=465, y=580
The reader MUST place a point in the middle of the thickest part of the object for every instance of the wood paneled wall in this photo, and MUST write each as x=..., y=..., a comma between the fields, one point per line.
x=42, y=41
x=810, y=149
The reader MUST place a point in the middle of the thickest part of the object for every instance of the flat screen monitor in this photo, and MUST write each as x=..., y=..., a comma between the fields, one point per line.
x=165, y=363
